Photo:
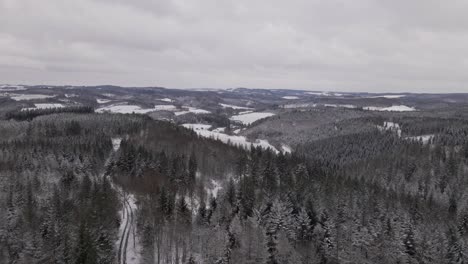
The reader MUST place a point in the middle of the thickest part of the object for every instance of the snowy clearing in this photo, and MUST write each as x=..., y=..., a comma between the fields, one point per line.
x=169, y=100
x=235, y=140
x=43, y=106
x=234, y=106
x=395, y=108
x=197, y=126
x=424, y=138
x=165, y=107
x=129, y=109
x=23, y=97
x=319, y=93
x=219, y=129
x=391, y=126
x=290, y=97
x=191, y=110
x=389, y=96
x=8, y=88
x=286, y=149
x=124, y=109
x=304, y=105
x=249, y=118
x=103, y=101
x=340, y=105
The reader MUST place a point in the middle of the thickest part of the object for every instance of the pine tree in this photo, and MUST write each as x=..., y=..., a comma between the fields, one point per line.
x=86, y=250
x=455, y=253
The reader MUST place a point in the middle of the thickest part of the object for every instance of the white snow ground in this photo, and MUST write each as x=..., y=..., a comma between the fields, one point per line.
x=249, y=118
x=128, y=109
x=395, y=108
x=286, y=148
x=43, y=106
x=202, y=130
x=191, y=110
x=389, y=96
x=290, y=97
x=424, y=138
x=23, y=97
x=234, y=106
x=103, y=101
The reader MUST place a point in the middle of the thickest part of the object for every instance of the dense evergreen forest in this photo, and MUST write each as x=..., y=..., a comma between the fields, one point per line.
x=366, y=197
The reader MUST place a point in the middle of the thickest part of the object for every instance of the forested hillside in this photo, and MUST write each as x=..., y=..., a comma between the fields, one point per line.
x=359, y=187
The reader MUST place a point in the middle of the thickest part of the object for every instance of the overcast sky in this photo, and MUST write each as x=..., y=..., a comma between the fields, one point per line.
x=347, y=45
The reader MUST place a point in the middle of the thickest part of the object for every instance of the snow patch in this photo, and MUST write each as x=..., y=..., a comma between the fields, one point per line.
x=234, y=106
x=169, y=100
x=227, y=139
x=286, y=149
x=8, y=88
x=249, y=118
x=389, y=96
x=290, y=97
x=43, y=106
x=23, y=97
x=424, y=138
x=340, y=105
x=116, y=143
x=214, y=190
x=219, y=129
x=165, y=107
x=391, y=126
x=102, y=101
x=129, y=109
x=197, y=126
x=192, y=110
x=394, y=108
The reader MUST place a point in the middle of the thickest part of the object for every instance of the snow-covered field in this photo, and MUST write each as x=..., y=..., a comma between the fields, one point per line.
x=249, y=118
x=9, y=88
x=391, y=126
x=219, y=129
x=169, y=100
x=165, y=107
x=325, y=93
x=424, y=138
x=191, y=110
x=43, y=106
x=389, y=96
x=124, y=109
x=197, y=126
x=103, y=101
x=290, y=97
x=395, y=108
x=128, y=109
x=304, y=105
x=202, y=130
x=234, y=106
x=340, y=105
x=23, y=97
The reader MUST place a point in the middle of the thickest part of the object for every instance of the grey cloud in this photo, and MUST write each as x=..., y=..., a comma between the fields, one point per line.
x=359, y=45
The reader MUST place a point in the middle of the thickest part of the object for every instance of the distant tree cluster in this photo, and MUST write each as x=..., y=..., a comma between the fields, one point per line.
x=29, y=114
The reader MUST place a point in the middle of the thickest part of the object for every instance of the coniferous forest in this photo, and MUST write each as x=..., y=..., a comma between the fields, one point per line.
x=78, y=187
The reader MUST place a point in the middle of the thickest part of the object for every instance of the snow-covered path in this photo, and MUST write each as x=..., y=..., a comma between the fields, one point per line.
x=128, y=243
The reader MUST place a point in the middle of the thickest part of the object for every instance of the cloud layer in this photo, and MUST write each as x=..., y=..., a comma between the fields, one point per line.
x=359, y=45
